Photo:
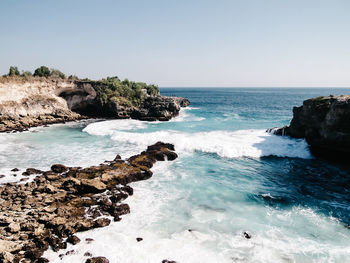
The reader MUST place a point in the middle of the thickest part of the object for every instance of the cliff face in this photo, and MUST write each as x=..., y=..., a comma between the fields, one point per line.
x=325, y=124
x=31, y=103
x=39, y=101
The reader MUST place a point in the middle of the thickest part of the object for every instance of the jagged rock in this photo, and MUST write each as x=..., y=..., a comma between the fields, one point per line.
x=325, y=124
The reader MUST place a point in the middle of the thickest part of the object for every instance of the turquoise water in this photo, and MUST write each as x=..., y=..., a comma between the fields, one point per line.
x=230, y=177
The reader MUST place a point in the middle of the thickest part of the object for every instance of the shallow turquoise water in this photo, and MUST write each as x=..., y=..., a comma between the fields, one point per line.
x=230, y=177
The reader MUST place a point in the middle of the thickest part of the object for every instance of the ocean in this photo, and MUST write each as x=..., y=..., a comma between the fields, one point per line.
x=231, y=177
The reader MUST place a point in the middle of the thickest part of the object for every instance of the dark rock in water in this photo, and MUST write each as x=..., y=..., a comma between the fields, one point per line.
x=89, y=240
x=2, y=175
x=73, y=240
x=160, y=108
x=138, y=239
x=168, y=261
x=42, y=260
x=102, y=222
x=59, y=168
x=118, y=157
x=15, y=170
x=87, y=254
x=324, y=122
x=97, y=260
x=247, y=235
x=30, y=171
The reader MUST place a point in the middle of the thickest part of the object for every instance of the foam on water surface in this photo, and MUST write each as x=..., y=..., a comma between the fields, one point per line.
x=243, y=143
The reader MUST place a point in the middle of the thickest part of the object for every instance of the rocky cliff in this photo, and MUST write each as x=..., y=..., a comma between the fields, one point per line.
x=34, y=101
x=325, y=124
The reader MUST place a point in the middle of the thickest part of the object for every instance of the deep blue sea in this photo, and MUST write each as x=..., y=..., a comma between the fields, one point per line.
x=231, y=177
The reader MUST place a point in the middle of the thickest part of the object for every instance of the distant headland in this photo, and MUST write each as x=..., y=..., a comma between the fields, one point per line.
x=48, y=96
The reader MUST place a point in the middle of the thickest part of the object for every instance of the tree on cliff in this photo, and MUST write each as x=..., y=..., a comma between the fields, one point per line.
x=14, y=71
x=42, y=72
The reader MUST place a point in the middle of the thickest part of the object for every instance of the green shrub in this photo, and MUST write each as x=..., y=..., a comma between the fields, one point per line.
x=42, y=71
x=57, y=73
x=14, y=71
x=110, y=88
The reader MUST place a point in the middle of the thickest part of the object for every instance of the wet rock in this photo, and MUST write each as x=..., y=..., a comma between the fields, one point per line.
x=42, y=260
x=247, y=235
x=59, y=168
x=168, y=261
x=73, y=240
x=138, y=239
x=97, y=260
x=15, y=170
x=102, y=222
x=70, y=252
x=89, y=240
x=87, y=254
x=30, y=171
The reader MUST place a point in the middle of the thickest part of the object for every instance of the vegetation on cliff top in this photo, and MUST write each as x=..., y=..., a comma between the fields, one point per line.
x=110, y=89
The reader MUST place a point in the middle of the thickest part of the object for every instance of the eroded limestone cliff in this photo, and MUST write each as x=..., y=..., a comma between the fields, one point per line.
x=34, y=101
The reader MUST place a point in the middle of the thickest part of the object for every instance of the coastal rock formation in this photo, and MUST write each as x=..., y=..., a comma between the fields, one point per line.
x=325, y=124
x=25, y=104
x=38, y=101
x=47, y=211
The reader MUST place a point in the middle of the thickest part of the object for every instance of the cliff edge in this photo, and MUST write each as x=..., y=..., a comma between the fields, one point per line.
x=324, y=122
x=32, y=101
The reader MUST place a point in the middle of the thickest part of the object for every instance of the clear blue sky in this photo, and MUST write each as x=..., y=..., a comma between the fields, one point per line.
x=240, y=43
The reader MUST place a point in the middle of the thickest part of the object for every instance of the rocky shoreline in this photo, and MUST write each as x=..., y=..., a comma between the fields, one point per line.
x=324, y=122
x=47, y=211
x=42, y=101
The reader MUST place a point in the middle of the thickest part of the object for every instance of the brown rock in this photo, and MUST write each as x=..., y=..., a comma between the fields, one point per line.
x=73, y=240
x=102, y=222
x=92, y=186
x=97, y=260
x=59, y=168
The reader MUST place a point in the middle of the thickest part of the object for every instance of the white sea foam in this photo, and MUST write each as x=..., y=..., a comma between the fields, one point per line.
x=243, y=143
x=107, y=127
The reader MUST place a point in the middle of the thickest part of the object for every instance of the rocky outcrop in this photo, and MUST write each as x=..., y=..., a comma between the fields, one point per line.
x=41, y=101
x=325, y=124
x=58, y=203
x=159, y=108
